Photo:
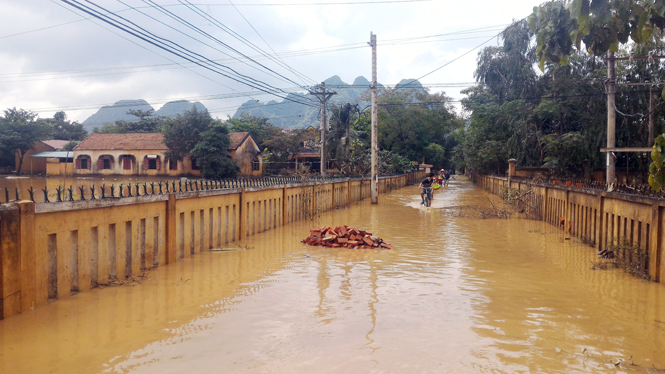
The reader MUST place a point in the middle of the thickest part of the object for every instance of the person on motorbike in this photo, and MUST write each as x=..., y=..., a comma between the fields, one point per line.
x=424, y=186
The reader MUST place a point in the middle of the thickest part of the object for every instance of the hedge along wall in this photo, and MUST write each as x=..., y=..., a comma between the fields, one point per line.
x=600, y=218
x=49, y=251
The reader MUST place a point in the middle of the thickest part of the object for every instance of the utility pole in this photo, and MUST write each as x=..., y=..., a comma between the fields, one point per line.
x=611, y=120
x=323, y=96
x=374, y=183
x=651, y=117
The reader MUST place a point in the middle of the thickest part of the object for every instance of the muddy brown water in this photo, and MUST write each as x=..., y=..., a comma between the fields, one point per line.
x=456, y=295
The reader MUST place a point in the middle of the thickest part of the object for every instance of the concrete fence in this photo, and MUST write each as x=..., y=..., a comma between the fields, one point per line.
x=600, y=218
x=50, y=251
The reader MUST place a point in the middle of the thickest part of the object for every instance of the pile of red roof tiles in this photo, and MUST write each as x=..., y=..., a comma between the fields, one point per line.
x=346, y=237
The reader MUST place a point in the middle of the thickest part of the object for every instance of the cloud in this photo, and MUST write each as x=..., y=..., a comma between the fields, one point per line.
x=83, y=63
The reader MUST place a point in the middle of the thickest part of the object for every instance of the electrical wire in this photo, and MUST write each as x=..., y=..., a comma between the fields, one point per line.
x=181, y=52
x=189, y=25
x=255, y=47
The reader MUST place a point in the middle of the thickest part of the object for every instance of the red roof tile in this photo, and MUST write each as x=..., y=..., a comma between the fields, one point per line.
x=237, y=138
x=56, y=144
x=125, y=142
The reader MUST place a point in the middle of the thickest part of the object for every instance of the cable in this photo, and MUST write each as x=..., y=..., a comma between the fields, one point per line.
x=273, y=51
x=465, y=53
x=189, y=36
x=201, y=61
x=133, y=42
x=184, y=22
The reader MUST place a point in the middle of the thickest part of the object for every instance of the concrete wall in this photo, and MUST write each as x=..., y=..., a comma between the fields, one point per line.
x=50, y=251
x=33, y=165
x=598, y=217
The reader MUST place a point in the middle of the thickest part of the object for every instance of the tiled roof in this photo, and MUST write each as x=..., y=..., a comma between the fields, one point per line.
x=55, y=144
x=125, y=142
x=237, y=138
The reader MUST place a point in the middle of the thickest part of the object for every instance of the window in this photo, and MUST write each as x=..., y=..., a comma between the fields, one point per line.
x=256, y=165
x=195, y=166
x=127, y=163
x=107, y=163
x=173, y=165
x=151, y=162
x=83, y=162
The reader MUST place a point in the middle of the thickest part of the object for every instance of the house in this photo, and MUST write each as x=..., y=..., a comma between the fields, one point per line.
x=37, y=165
x=246, y=153
x=144, y=154
x=128, y=154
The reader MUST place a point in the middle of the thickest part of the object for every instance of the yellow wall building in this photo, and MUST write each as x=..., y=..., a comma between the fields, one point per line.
x=143, y=154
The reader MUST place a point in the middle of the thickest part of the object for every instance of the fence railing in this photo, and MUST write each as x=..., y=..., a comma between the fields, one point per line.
x=50, y=251
x=82, y=193
x=599, y=217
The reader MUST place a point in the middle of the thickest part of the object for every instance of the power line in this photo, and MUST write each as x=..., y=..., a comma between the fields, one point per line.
x=182, y=52
x=188, y=24
x=140, y=46
x=269, y=46
x=191, y=37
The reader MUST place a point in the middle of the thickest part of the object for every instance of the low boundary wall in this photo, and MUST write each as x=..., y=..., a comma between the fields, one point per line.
x=600, y=218
x=50, y=251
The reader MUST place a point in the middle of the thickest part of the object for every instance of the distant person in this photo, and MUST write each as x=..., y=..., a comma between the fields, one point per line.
x=426, y=185
x=439, y=177
x=446, y=177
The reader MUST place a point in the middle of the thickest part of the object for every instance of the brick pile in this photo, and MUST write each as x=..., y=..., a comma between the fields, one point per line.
x=345, y=237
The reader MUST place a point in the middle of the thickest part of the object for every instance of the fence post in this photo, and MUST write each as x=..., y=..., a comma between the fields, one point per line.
x=170, y=228
x=332, y=199
x=284, y=206
x=655, y=254
x=10, y=260
x=546, y=194
x=600, y=218
x=28, y=266
x=348, y=191
x=313, y=207
x=242, y=214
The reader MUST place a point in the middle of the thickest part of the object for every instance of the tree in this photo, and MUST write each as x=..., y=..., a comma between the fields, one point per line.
x=62, y=129
x=183, y=133
x=19, y=131
x=411, y=119
x=147, y=123
x=259, y=127
x=212, y=154
x=602, y=25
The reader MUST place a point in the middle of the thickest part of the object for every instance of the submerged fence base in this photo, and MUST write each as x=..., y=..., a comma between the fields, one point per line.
x=602, y=219
x=50, y=251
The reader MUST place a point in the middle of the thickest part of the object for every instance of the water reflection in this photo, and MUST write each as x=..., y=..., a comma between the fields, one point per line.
x=456, y=295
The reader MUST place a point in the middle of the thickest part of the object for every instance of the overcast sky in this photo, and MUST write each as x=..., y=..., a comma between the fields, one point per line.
x=56, y=57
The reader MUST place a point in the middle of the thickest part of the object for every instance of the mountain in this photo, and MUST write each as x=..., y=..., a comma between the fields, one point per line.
x=287, y=114
x=115, y=112
x=173, y=108
x=118, y=111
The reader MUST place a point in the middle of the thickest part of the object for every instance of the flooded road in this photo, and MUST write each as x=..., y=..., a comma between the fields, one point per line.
x=456, y=295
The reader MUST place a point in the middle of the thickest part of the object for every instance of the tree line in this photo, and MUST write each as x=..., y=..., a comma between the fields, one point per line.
x=414, y=126
x=553, y=112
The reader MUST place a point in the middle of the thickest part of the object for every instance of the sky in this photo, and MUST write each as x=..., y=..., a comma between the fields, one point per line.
x=55, y=57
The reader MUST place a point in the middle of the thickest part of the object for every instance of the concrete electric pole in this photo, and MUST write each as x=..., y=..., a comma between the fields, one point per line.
x=374, y=183
x=611, y=120
x=323, y=96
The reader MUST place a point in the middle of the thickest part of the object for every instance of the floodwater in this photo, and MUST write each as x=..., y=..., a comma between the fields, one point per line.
x=455, y=295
